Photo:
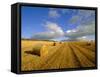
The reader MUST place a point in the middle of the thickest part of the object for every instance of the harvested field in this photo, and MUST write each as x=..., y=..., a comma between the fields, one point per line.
x=41, y=55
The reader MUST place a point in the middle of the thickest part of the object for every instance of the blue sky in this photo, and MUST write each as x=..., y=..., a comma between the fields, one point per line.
x=57, y=24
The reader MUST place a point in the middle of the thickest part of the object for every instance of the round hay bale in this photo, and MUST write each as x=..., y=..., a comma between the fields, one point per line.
x=44, y=51
x=54, y=44
x=36, y=49
x=58, y=43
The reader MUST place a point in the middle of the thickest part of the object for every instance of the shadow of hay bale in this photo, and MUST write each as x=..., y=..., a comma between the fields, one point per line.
x=35, y=50
x=40, y=49
x=31, y=53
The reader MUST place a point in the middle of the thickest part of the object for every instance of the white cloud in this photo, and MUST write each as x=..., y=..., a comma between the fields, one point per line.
x=82, y=38
x=90, y=37
x=86, y=26
x=54, y=27
x=54, y=13
x=83, y=17
x=53, y=31
x=69, y=31
x=82, y=30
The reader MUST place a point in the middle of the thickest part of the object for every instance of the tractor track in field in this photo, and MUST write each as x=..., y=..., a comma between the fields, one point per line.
x=67, y=55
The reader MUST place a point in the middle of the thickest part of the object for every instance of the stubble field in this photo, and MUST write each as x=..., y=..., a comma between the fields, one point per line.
x=41, y=55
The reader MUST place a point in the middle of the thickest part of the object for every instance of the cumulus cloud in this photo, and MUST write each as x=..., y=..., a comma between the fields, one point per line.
x=85, y=21
x=54, y=13
x=54, y=27
x=83, y=17
x=82, y=30
x=53, y=31
x=91, y=37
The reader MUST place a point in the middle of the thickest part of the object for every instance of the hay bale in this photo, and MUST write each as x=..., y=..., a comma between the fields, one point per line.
x=44, y=51
x=54, y=43
x=88, y=44
x=58, y=43
x=36, y=49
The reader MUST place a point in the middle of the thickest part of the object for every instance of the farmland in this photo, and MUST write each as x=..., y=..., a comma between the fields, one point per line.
x=41, y=55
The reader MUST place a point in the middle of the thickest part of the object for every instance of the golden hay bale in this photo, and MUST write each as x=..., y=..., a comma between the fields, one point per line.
x=54, y=43
x=47, y=50
x=35, y=50
x=49, y=43
x=58, y=43
x=44, y=51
